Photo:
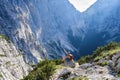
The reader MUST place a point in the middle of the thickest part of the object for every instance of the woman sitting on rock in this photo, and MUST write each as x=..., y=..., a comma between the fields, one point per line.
x=68, y=60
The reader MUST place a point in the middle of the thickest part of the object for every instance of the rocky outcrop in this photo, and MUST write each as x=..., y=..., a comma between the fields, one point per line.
x=94, y=72
x=106, y=68
x=114, y=63
x=12, y=63
x=112, y=60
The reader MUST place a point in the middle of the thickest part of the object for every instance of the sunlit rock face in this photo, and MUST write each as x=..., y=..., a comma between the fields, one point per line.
x=12, y=63
x=17, y=24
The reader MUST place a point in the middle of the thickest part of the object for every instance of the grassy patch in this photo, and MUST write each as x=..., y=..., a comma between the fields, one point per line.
x=101, y=52
x=103, y=63
x=59, y=66
x=84, y=59
x=1, y=76
x=2, y=55
x=43, y=70
x=111, y=52
x=57, y=61
x=97, y=58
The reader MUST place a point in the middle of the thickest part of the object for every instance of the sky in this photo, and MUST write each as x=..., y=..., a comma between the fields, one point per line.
x=82, y=5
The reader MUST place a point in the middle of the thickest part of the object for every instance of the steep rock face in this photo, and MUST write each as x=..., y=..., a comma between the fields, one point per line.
x=12, y=63
x=57, y=24
x=115, y=62
x=15, y=23
x=29, y=22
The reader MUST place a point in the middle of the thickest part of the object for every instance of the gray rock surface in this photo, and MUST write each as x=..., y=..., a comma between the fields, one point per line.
x=115, y=62
x=12, y=63
x=95, y=72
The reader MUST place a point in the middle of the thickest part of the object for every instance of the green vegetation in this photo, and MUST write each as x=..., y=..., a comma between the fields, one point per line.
x=84, y=59
x=57, y=62
x=1, y=76
x=110, y=48
x=101, y=52
x=97, y=58
x=60, y=66
x=79, y=78
x=5, y=37
x=43, y=70
x=118, y=75
x=103, y=63
x=7, y=63
x=2, y=55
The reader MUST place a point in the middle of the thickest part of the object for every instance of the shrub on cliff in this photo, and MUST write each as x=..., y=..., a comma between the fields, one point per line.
x=42, y=71
x=100, y=53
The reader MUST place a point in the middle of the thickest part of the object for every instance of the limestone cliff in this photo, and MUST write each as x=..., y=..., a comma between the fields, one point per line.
x=12, y=63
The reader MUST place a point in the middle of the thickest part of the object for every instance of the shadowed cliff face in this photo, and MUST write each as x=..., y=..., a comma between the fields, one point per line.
x=37, y=26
